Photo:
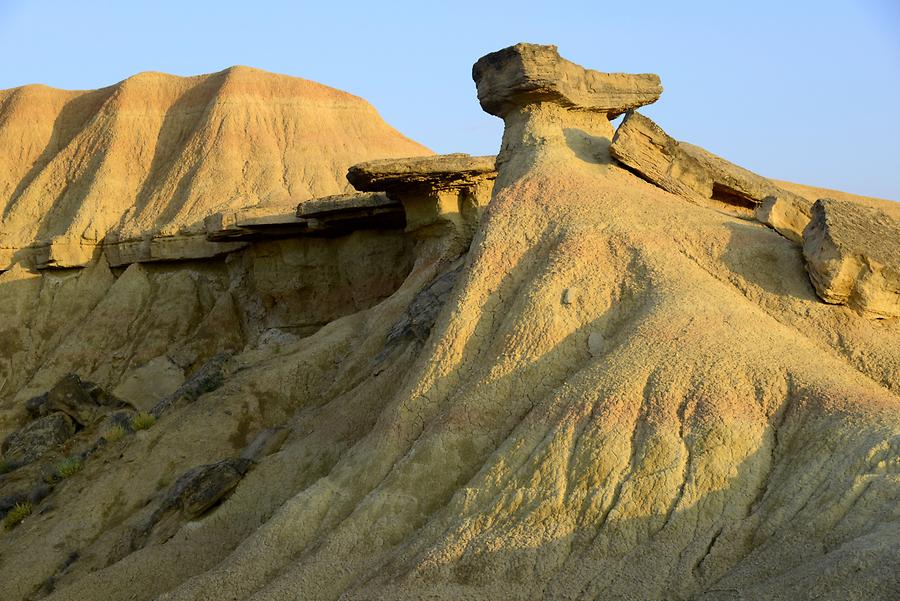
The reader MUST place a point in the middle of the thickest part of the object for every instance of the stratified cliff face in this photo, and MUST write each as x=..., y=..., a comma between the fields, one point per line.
x=158, y=153
x=590, y=388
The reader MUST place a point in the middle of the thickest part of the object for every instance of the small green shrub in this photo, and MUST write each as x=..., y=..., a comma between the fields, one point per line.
x=69, y=467
x=17, y=515
x=114, y=434
x=142, y=421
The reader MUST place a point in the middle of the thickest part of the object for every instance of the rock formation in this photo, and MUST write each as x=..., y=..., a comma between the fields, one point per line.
x=350, y=212
x=531, y=87
x=554, y=380
x=852, y=254
x=696, y=174
x=442, y=196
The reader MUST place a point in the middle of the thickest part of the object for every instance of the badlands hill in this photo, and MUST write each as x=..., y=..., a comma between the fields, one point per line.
x=599, y=366
x=158, y=153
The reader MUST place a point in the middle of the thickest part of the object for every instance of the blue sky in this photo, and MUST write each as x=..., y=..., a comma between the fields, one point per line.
x=805, y=91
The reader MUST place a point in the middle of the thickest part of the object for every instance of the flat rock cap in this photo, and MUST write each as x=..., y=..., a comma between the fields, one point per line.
x=339, y=203
x=439, y=171
x=529, y=73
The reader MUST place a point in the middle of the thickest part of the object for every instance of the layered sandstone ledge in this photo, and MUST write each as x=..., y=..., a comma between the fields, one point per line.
x=440, y=196
x=697, y=174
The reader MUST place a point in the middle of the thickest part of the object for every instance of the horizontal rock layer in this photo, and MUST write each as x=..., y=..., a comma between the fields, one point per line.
x=418, y=173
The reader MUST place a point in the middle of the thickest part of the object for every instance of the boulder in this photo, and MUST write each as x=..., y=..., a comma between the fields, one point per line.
x=38, y=437
x=642, y=146
x=690, y=171
x=786, y=214
x=200, y=488
x=193, y=494
x=852, y=255
x=528, y=73
x=81, y=400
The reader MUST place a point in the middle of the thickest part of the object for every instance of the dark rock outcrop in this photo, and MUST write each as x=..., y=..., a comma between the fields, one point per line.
x=206, y=379
x=192, y=495
x=81, y=400
x=38, y=437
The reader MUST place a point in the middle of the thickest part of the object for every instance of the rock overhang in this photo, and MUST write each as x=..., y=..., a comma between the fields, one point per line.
x=442, y=196
x=416, y=174
x=530, y=73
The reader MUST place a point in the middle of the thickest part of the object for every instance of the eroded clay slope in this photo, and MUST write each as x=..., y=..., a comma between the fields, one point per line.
x=157, y=153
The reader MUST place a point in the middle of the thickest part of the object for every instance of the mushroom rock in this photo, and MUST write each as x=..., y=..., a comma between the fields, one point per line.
x=441, y=195
x=546, y=100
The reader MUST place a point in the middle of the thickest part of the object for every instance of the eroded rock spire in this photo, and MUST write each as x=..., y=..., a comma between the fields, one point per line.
x=549, y=102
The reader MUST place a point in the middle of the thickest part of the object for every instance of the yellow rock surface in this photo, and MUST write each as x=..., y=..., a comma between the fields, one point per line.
x=623, y=395
x=157, y=153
